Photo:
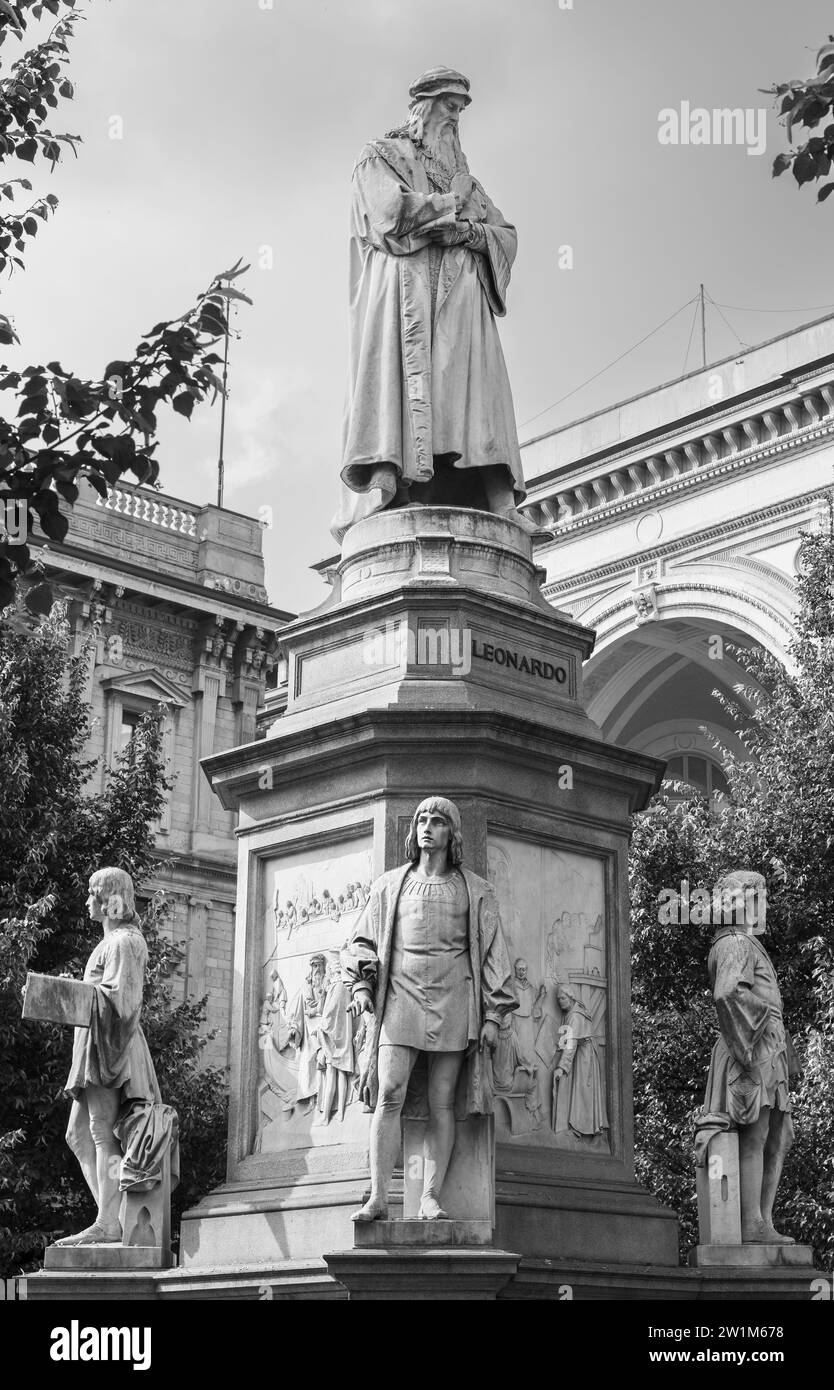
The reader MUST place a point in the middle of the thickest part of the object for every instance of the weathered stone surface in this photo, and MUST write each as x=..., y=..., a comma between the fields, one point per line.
x=334, y=783
x=380, y=1235
x=54, y=1000
x=719, y=1200
x=435, y=1273
x=751, y=1256
x=105, y=1257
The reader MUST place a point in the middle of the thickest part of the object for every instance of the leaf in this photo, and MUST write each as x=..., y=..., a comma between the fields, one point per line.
x=97, y=481
x=39, y=598
x=124, y=451
x=184, y=404
x=27, y=150
x=229, y=292
x=825, y=192
x=236, y=270
x=68, y=491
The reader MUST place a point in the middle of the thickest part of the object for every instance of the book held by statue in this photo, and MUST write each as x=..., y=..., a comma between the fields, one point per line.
x=53, y=1000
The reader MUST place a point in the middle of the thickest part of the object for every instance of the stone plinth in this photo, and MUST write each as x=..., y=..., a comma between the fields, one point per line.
x=393, y=1235
x=717, y=1183
x=405, y=1273
x=96, y=1258
x=751, y=1256
x=435, y=667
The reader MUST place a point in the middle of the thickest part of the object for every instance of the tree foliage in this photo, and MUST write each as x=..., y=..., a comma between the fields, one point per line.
x=779, y=820
x=807, y=103
x=55, y=830
x=60, y=427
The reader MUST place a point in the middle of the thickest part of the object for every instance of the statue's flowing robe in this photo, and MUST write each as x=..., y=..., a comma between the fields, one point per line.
x=366, y=963
x=113, y=1052
x=425, y=379
x=753, y=1056
x=580, y=1094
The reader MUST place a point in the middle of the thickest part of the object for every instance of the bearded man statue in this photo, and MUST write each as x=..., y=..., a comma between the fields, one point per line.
x=429, y=416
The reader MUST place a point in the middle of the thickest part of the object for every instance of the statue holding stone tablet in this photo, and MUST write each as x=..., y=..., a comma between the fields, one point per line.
x=124, y=1138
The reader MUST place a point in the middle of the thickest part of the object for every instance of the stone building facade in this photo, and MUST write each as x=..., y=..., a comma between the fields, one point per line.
x=173, y=597
x=673, y=527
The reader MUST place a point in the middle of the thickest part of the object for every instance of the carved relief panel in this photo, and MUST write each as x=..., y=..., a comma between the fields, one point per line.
x=310, y=1047
x=549, y=1068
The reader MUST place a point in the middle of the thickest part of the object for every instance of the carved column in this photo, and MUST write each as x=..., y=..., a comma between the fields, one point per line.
x=208, y=685
x=195, y=964
x=254, y=659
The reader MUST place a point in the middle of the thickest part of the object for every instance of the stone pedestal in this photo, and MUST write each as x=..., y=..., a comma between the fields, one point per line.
x=393, y=1235
x=435, y=666
x=422, y=1270
x=753, y=1257
x=719, y=1192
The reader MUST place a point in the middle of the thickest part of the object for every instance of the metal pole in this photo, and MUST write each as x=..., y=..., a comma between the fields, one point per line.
x=220, y=464
x=703, y=330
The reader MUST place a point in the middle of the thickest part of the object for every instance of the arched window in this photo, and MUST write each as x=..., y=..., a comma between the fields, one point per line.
x=699, y=772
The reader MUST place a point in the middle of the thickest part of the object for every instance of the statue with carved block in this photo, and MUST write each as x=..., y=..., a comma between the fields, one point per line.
x=428, y=961
x=124, y=1137
x=745, y=1129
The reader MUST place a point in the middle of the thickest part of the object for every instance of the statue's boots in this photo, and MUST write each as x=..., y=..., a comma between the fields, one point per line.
x=96, y=1234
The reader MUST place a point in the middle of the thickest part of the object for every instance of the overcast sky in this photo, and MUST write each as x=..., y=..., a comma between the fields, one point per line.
x=240, y=126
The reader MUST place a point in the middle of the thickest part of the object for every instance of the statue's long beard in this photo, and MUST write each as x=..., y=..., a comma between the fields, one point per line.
x=444, y=146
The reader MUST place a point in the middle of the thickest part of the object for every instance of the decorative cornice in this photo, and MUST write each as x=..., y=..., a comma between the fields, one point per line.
x=691, y=465
x=617, y=568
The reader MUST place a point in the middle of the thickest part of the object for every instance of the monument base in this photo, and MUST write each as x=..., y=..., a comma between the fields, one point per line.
x=377, y=1235
x=425, y=1270
x=105, y=1257
x=751, y=1256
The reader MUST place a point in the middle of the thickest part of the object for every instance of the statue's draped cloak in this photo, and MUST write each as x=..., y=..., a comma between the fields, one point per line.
x=422, y=383
x=113, y=1052
x=753, y=1057
x=584, y=1104
x=366, y=963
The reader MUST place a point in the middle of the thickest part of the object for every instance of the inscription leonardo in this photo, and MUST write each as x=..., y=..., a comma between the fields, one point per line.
x=516, y=661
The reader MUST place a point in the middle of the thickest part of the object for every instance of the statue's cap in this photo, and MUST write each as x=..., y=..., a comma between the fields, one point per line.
x=437, y=81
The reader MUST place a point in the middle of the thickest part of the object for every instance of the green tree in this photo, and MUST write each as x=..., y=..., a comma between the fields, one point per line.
x=778, y=820
x=54, y=831
x=59, y=427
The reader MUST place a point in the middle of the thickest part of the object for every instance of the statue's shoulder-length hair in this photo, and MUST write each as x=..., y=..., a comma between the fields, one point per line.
x=114, y=890
x=441, y=806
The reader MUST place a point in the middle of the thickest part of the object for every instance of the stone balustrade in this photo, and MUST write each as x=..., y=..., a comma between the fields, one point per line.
x=144, y=507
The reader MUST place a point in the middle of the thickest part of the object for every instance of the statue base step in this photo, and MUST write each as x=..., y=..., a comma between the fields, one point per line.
x=378, y=1235
x=408, y=1272
x=105, y=1257
x=750, y=1256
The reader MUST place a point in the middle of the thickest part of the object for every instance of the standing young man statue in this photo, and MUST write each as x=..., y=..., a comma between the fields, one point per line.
x=428, y=961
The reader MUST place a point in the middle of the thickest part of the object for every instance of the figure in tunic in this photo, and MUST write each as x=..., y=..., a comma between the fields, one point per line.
x=428, y=962
x=118, y=1128
x=429, y=415
x=578, y=1086
x=753, y=1061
